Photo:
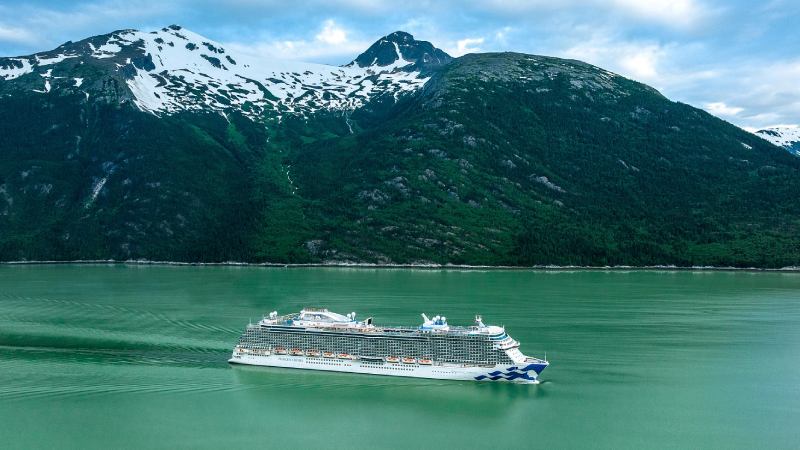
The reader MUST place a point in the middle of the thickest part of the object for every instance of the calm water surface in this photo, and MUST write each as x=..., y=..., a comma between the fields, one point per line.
x=135, y=356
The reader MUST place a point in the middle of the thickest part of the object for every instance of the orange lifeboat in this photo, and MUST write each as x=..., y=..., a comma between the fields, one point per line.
x=425, y=361
x=392, y=359
x=280, y=351
x=296, y=352
x=408, y=360
x=312, y=352
x=328, y=354
x=344, y=356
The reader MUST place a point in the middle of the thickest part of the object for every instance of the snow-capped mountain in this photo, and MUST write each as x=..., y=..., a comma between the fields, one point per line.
x=167, y=146
x=174, y=69
x=787, y=137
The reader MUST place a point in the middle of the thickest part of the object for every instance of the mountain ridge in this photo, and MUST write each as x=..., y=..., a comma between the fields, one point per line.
x=162, y=152
x=174, y=69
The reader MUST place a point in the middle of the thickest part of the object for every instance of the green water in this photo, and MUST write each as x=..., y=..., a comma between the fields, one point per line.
x=135, y=356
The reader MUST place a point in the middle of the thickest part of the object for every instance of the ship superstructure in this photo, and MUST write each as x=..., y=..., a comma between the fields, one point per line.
x=316, y=338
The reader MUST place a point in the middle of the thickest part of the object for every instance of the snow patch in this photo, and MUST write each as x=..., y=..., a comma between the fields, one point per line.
x=53, y=60
x=14, y=71
x=782, y=135
x=787, y=136
x=107, y=50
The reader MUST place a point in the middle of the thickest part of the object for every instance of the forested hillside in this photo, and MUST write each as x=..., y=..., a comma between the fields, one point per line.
x=109, y=149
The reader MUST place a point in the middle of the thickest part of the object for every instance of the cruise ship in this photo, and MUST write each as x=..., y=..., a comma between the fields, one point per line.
x=318, y=339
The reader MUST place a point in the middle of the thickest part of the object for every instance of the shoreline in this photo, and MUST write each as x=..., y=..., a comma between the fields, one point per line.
x=431, y=266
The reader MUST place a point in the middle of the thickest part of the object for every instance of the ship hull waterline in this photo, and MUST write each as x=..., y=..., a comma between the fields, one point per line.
x=522, y=374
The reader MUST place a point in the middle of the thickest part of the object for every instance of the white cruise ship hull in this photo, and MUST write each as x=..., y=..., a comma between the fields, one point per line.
x=523, y=373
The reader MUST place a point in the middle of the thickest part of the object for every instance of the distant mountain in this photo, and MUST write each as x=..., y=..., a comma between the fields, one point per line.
x=786, y=137
x=167, y=146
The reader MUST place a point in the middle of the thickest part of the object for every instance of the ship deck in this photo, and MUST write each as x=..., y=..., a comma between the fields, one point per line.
x=389, y=330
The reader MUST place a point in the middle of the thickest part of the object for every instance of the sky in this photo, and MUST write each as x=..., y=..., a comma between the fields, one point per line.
x=739, y=60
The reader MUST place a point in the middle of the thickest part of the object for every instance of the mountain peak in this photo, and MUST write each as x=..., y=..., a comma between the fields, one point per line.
x=400, y=50
x=399, y=37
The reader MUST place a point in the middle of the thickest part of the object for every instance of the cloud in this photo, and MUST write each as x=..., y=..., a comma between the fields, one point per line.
x=39, y=28
x=673, y=13
x=464, y=46
x=17, y=35
x=641, y=61
x=331, y=44
x=83, y=15
x=501, y=35
x=332, y=34
x=768, y=92
x=638, y=60
x=722, y=109
x=668, y=13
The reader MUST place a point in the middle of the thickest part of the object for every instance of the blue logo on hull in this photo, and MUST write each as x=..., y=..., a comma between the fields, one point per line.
x=513, y=373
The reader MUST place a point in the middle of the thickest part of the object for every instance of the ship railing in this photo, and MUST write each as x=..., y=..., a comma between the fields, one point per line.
x=531, y=359
x=380, y=329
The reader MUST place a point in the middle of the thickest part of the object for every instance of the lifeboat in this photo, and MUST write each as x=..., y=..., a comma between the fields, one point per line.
x=296, y=352
x=392, y=359
x=344, y=356
x=328, y=354
x=312, y=352
x=407, y=360
x=280, y=351
x=425, y=361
